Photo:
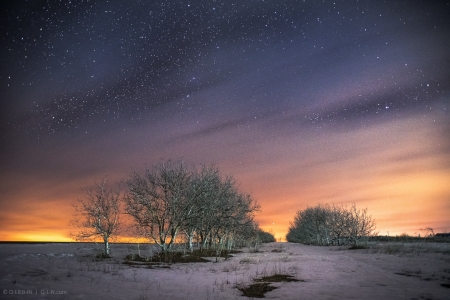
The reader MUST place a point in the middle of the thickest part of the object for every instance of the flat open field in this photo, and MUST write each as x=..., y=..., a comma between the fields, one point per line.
x=71, y=271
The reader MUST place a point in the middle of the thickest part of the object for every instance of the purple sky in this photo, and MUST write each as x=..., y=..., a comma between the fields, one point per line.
x=303, y=102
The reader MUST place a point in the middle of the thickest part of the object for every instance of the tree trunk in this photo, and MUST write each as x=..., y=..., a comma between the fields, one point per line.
x=230, y=244
x=106, y=247
x=191, y=246
x=204, y=243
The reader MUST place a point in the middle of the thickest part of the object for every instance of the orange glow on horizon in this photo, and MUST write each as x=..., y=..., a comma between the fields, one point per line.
x=37, y=237
x=401, y=178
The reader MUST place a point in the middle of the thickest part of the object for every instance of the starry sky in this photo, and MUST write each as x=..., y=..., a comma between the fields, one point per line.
x=303, y=102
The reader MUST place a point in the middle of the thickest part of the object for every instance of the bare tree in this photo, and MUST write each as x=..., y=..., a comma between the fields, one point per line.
x=429, y=232
x=243, y=221
x=223, y=209
x=202, y=190
x=339, y=220
x=301, y=229
x=311, y=226
x=361, y=225
x=212, y=204
x=98, y=215
x=326, y=225
x=158, y=201
x=169, y=199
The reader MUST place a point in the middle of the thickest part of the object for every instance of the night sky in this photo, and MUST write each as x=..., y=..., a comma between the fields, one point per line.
x=303, y=102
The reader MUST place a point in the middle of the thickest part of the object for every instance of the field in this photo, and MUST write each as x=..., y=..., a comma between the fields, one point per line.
x=385, y=270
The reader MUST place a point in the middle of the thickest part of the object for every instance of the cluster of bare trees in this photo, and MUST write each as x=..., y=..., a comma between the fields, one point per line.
x=169, y=203
x=325, y=225
x=170, y=200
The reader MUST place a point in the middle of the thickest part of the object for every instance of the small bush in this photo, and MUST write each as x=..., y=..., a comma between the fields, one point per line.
x=265, y=237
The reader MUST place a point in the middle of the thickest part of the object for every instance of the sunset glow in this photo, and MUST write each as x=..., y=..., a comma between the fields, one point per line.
x=303, y=104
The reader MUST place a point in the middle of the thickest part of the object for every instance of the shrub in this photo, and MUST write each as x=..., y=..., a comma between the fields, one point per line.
x=325, y=225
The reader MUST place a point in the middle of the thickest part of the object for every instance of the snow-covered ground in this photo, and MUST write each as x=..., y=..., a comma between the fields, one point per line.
x=70, y=271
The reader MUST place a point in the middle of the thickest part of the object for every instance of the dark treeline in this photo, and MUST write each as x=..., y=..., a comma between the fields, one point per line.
x=171, y=203
x=325, y=225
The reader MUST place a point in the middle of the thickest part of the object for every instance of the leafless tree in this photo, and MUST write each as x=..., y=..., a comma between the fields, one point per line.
x=212, y=202
x=202, y=195
x=312, y=226
x=236, y=221
x=201, y=204
x=98, y=215
x=339, y=221
x=326, y=225
x=429, y=232
x=361, y=225
x=158, y=201
x=190, y=223
x=224, y=209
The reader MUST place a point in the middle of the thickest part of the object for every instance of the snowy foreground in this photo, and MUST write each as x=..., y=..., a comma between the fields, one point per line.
x=70, y=271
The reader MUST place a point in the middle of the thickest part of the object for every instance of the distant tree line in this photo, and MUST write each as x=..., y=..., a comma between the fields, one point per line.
x=325, y=225
x=170, y=203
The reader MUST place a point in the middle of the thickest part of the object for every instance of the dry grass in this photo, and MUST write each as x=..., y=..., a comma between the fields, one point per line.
x=277, y=278
x=248, y=260
x=408, y=248
x=178, y=257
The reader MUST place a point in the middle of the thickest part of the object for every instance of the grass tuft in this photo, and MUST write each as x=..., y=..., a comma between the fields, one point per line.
x=277, y=278
x=247, y=260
